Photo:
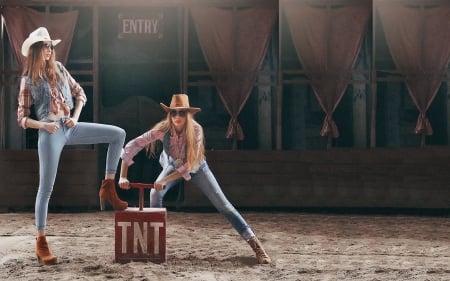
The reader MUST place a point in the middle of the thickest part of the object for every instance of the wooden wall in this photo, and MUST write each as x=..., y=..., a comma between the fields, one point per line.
x=350, y=178
x=76, y=185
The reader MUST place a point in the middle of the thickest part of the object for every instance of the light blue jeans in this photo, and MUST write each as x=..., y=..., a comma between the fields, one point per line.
x=50, y=147
x=204, y=180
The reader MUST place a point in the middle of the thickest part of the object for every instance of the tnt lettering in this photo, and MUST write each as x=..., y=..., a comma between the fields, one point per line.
x=140, y=232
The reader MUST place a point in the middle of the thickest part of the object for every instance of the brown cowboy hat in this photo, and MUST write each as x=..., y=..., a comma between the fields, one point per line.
x=180, y=101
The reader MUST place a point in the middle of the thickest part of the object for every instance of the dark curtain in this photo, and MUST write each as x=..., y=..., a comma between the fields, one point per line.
x=327, y=41
x=234, y=43
x=21, y=21
x=419, y=42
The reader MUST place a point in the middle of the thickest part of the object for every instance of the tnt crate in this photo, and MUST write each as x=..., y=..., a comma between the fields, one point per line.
x=140, y=235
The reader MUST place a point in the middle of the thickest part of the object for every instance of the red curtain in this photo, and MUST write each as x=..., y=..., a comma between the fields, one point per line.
x=234, y=43
x=419, y=42
x=327, y=41
x=21, y=21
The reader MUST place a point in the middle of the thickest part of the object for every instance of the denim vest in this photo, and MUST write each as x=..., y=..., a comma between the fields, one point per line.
x=41, y=97
x=164, y=157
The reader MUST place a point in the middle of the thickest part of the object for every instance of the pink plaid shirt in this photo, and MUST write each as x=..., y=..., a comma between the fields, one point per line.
x=140, y=142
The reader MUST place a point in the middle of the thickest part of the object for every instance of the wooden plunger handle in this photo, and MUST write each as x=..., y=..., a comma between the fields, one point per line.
x=141, y=187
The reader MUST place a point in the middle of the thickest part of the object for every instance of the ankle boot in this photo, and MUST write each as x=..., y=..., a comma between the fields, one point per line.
x=261, y=255
x=108, y=192
x=43, y=253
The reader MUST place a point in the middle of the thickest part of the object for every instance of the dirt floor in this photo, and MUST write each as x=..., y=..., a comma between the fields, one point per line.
x=203, y=246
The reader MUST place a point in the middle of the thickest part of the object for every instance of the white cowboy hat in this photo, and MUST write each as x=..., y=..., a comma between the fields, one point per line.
x=39, y=35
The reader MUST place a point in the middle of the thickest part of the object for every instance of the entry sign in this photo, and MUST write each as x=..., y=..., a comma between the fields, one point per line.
x=141, y=25
x=140, y=235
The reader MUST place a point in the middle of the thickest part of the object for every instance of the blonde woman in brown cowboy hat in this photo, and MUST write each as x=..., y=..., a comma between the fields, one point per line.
x=183, y=158
x=58, y=100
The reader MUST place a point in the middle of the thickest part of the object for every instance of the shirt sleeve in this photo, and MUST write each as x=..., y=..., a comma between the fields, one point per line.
x=75, y=88
x=24, y=104
x=137, y=144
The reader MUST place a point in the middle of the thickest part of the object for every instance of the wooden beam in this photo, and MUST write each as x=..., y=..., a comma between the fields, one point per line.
x=373, y=89
x=146, y=3
x=2, y=87
x=279, y=99
x=331, y=3
x=185, y=51
x=95, y=62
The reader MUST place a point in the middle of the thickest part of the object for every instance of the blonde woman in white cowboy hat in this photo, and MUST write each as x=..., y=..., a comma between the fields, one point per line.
x=183, y=158
x=58, y=100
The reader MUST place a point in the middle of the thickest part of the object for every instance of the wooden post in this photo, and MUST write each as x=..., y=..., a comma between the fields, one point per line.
x=279, y=101
x=330, y=141
x=373, y=88
x=185, y=58
x=2, y=88
x=423, y=140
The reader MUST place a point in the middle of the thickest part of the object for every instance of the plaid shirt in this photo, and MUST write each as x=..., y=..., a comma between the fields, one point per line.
x=25, y=99
x=137, y=144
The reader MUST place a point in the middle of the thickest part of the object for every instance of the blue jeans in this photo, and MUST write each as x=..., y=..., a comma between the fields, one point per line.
x=204, y=180
x=50, y=147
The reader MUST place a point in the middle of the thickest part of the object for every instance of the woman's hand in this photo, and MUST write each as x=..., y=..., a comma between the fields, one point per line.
x=159, y=185
x=51, y=127
x=124, y=183
x=71, y=122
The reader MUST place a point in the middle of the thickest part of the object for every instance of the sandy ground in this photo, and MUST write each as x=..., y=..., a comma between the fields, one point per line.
x=203, y=246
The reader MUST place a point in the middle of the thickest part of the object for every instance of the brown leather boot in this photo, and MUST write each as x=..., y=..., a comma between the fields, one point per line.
x=43, y=253
x=108, y=192
x=261, y=255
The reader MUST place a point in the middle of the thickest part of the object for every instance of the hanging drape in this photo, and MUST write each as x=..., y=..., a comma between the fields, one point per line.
x=234, y=43
x=419, y=42
x=327, y=41
x=21, y=21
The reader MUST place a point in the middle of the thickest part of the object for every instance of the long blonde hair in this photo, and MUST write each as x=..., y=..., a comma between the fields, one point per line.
x=194, y=154
x=37, y=68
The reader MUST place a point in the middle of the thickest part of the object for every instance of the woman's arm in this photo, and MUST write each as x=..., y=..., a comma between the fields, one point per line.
x=131, y=149
x=159, y=185
x=34, y=124
x=75, y=88
x=73, y=120
x=123, y=180
x=137, y=144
